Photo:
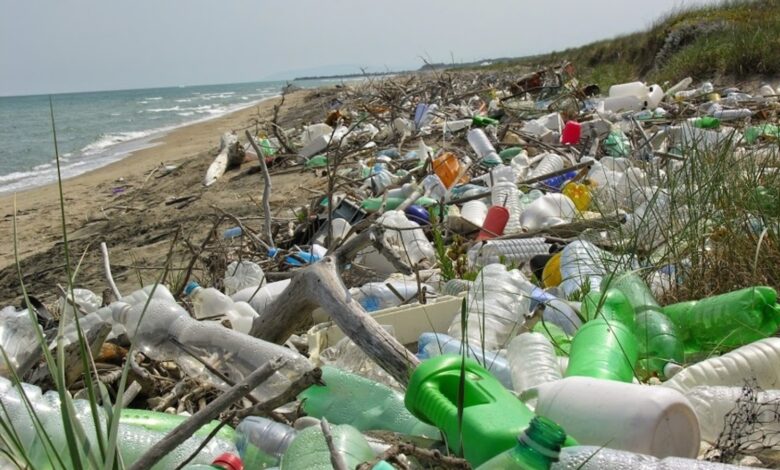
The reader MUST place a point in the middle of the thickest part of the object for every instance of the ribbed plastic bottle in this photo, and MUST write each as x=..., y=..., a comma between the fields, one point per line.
x=234, y=354
x=582, y=263
x=728, y=320
x=456, y=286
x=548, y=163
x=603, y=349
x=504, y=193
x=136, y=435
x=495, y=309
x=537, y=448
x=532, y=361
x=759, y=361
x=713, y=403
x=435, y=344
x=309, y=450
x=209, y=303
x=604, y=458
x=514, y=252
x=364, y=404
x=659, y=340
x=261, y=442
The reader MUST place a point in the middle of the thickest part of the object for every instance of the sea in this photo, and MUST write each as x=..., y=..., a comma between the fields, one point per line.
x=98, y=128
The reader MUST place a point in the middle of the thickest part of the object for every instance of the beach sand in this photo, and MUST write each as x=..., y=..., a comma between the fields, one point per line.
x=123, y=204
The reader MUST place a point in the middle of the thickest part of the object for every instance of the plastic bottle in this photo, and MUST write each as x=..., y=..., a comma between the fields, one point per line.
x=728, y=320
x=532, y=361
x=546, y=211
x=583, y=265
x=495, y=309
x=515, y=252
x=362, y=403
x=135, y=436
x=435, y=344
x=259, y=297
x=483, y=148
x=612, y=304
x=156, y=291
x=261, y=442
x=603, y=458
x=537, y=448
x=455, y=126
x=375, y=296
x=603, y=349
x=655, y=95
x=408, y=241
x=456, y=286
x=309, y=450
x=505, y=194
x=483, y=121
x=491, y=417
x=638, y=89
x=19, y=341
x=86, y=300
x=681, y=85
x=234, y=354
x=242, y=274
x=548, y=163
x=556, y=311
x=638, y=418
x=209, y=303
x=759, y=361
x=713, y=403
x=659, y=340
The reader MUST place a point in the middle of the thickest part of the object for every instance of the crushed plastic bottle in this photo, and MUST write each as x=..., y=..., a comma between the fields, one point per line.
x=242, y=274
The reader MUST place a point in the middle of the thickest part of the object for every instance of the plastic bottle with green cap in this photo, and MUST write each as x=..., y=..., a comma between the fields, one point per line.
x=726, y=321
x=603, y=349
x=537, y=448
x=492, y=417
x=659, y=340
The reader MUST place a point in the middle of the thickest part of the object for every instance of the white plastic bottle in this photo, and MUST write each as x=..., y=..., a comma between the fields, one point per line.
x=405, y=238
x=516, y=252
x=532, y=361
x=504, y=193
x=209, y=303
x=548, y=162
x=628, y=89
x=496, y=309
x=482, y=146
x=242, y=274
x=759, y=361
x=157, y=291
x=713, y=403
x=646, y=419
x=604, y=458
x=86, y=300
x=165, y=326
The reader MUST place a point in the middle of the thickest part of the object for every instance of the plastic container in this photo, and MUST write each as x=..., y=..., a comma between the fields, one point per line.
x=537, y=448
x=86, y=300
x=548, y=163
x=491, y=419
x=515, y=252
x=435, y=344
x=726, y=321
x=235, y=355
x=612, y=304
x=448, y=168
x=483, y=148
x=405, y=238
x=495, y=221
x=603, y=349
x=532, y=361
x=242, y=274
x=580, y=194
x=261, y=442
x=156, y=291
x=309, y=450
x=375, y=296
x=475, y=212
x=505, y=194
x=759, y=361
x=495, y=309
x=209, y=303
x=638, y=418
x=713, y=403
x=638, y=89
x=603, y=458
x=583, y=262
x=19, y=341
x=572, y=131
x=455, y=126
x=362, y=403
x=654, y=96
x=624, y=103
x=259, y=297
x=548, y=210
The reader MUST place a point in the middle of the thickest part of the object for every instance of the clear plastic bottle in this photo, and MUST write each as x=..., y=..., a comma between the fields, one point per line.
x=408, y=240
x=759, y=360
x=713, y=403
x=548, y=210
x=362, y=403
x=504, y=193
x=242, y=274
x=532, y=361
x=18, y=340
x=515, y=252
x=261, y=442
x=86, y=300
x=209, y=303
x=604, y=458
x=234, y=354
x=375, y=296
x=583, y=265
x=89, y=322
x=435, y=344
x=483, y=148
x=496, y=308
x=260, y=297
x=309, y=451
x=157, y=291
x=456, y=286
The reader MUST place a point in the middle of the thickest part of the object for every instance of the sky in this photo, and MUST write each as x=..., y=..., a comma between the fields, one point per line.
x=53, y=46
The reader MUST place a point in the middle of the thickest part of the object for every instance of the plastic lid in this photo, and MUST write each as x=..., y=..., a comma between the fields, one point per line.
x=191, y=286
x=229, y=462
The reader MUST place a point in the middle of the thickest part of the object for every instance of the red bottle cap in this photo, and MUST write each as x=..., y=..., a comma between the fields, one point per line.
x=229, y=462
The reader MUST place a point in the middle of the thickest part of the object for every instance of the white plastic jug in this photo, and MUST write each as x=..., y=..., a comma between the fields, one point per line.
x=546, y=211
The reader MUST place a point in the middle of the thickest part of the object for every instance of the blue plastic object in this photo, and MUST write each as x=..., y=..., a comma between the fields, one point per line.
x=418, y=214
x=191, y=286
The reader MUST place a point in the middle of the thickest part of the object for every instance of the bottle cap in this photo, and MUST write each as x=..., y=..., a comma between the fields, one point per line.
x=191, y=286
x=228, y=462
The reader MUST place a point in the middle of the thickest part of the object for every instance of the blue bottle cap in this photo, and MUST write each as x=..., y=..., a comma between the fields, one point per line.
x=191, y=286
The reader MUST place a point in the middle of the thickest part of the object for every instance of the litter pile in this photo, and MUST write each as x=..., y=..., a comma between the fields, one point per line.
x=499, y=273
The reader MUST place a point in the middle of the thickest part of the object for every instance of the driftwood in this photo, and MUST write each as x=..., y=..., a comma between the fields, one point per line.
x=266, y=189
x=320, y=285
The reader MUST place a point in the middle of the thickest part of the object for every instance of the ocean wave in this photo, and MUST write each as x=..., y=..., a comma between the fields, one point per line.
x=188, y=113
x=184, y=100
x=154, y=98
x=107, y=140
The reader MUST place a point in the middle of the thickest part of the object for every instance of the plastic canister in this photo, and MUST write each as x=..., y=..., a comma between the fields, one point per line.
x=447, y=168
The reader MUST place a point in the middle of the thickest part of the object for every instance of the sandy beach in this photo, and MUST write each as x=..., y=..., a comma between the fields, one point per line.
x=124, y=204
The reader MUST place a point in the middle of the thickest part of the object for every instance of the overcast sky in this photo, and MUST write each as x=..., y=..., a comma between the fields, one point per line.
x=49, y=46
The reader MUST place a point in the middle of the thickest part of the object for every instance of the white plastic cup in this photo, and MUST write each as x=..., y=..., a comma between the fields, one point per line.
x=638, y=418
x=475, y=212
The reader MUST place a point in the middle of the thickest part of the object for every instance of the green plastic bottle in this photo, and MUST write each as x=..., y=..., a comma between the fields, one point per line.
x=659, y=341
x=165, y=422
x=611, y=304
x=309, y=450
x=364, y=404
x=509, y=153
x=603, y=349
x=492, y=417
x=726, y=321
x=707, y=122
x=483, y=121
x=537, y=448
